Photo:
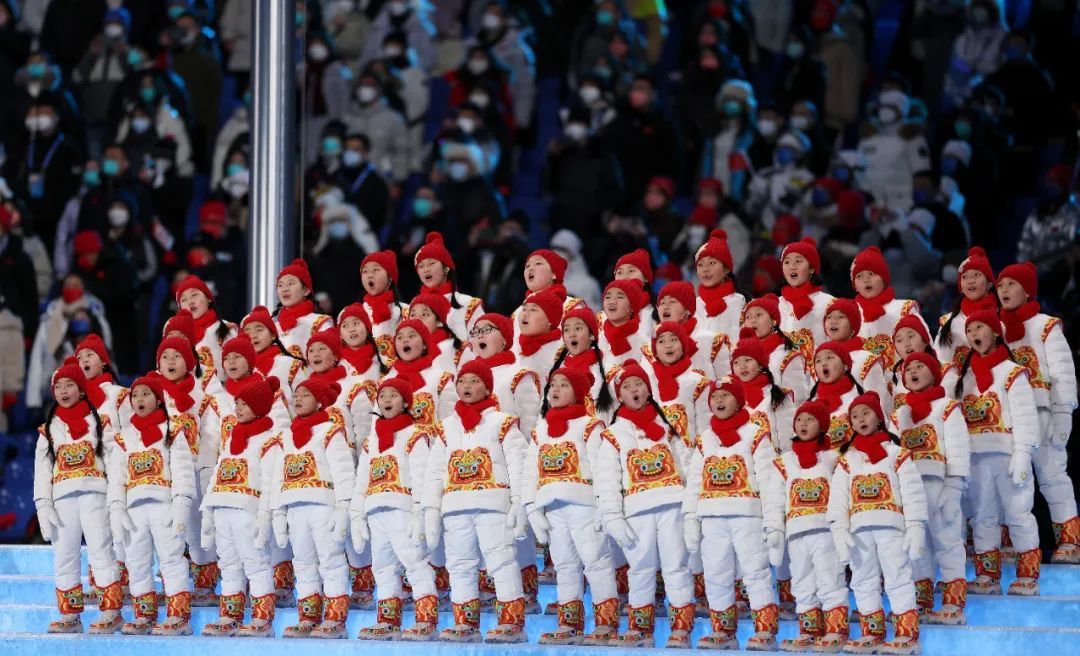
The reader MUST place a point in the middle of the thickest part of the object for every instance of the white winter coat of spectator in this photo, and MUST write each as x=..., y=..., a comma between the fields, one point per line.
x=51, y=346
x=892, y=153
x=779, y=189
x=414, y=18
x=385, y=128
x=239, y=123
x=332, y=207
x=235, y=31
x=507, y=43
x=578, y=281
x=168, y=125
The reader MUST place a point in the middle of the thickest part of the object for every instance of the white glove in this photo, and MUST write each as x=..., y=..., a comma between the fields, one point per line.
x=951, y=493
x=339, y=522
x=359, y=527
x=120, y=522
x=416, y=526
x=181, y=512
x=620, y=531
x=914, y=539
x=516, y=522
x=691, y=530
x=1020, y=467
x=774, y=539
x=206, y=536
x=432, y=527
x=48, y=521
x=843, y=542
x=540, y=526
x=1061, y=427
x=281, y=529
x=260, y=529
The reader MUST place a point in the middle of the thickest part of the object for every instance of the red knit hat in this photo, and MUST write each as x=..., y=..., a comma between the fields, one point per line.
x=385, y=259
x=551, y=305
x=502, y=323
x=480, y=369
x=929, y=360
x=816, y=410
x=213, y=216
x=182, y=346
x=785, y=228
x=183, y=323
x=716, y=246
x=849, y=309
x=298, y=268
x=750, y=346
x=711, y=184
x=1024, y=273
x=975, y=261
x=871, y=400
x=71, y=370
x=434, y=249
x=631, y=369
x=639, y=259
x=401, y=385
x=258, y=393
x=665, y=184
x=331, y=337
x=851, y=207
x=260, y=314
x=192, y=282
x=93, y=342
x=86, y=242
x=355, y=310
x=151, y=382
x=989, y=317
x=420, y=328
x=325, y=393
x=706, y=217
x=676, y=329
x=769, y=302
x=633, y=292
x=555, y=261
x=586, y=315
x=732, y=385
x=581, y=380
x=242, y=346
x=915, y=323
x=806, y=247
x=437, y=303
x=839, y=349
x=870, y=259
x=681, y=291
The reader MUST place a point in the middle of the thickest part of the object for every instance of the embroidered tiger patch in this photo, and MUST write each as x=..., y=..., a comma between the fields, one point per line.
x=233, y=476
x=559, y=463
x=808, y=496
x=983, y=414
x=922, y=442
x=384, y=476
x=76, y=460
x=146, y=468
x=471, y=470
x=301, y=471
x=725, y=477
x=652, y=468
x=872, y=492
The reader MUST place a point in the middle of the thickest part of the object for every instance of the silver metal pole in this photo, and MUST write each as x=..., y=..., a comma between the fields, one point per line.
x=271, y=227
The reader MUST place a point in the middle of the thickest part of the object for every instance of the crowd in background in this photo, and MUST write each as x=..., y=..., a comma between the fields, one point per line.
x=595, y=127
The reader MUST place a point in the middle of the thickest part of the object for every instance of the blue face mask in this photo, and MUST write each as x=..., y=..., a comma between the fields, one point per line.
x=247, y=99
x=37, y=69
x=921, y=196
x=147, y=94
x=949, y=165
x=604, y=17
x=820, y=197
x=841, y=174
x=422, y=207
x=732, y=108
x=795, y=50
x=110, y=167
x=301, y=18
x=79, y=326
x=338, y=230
x=91, y=178
x=134, y=58
x=458, y=171
x=785, y=156
x=331, y=146
x=962, y=129
x=233, y=169
x=176, y=11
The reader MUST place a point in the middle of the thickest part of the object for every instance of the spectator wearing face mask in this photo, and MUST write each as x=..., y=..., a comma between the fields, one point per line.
x=1051, y=229
x=345, y=238
x=399, y=64
x=481, y=71
x=414, y=18
x=99, y=73
x=644, y=140
x=362, y=184
x=236, y=184
x=499, y=35
x=592, y=39
x=325, y=92
x=596, y=98
x=370, y=114
x=194, y=60
x=800, y=76
x=779, y=188
x=726, y=153
x=36, y=80
x=234, y=133
x=330, y=144
x=891, y=151
x=146, y=82
x=152, y=116
x=582, y=177
x=470, y=203
x=976, y=52
x=348, y=26
x=236, y=41
x=805, y=118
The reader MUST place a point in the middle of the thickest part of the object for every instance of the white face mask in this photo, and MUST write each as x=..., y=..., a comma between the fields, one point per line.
x=481, y=100
x=589, y=95
x=31, y=123
x=118, y=217
x=800, y=122
x=767, y=127
x=34, y=89
x=366, y=94
x=318, y=52
x=352, y=158
x=466, y=124
x=140, y=124
x=458, y=171
x=114, y=30
x=478, y=66
x=391, y=52
x=887, y=115
x=46, y=123
x=338, y=230
x=491, y=21
x=398, y=7
x=576, y=131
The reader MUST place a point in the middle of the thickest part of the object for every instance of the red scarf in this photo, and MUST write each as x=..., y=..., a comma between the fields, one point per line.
x=264, y=359
x=499, y=359
x=440, y=335
x=754, y=389
x=386, y=428
x=689, y=326
x=558, y=419
x=728, y=429
x=1013, y=320
x=871, y=445
x=667, y=377
x=203, y=323
x=149, y=427
x=233, y=386
x=714, y=297
x=301, y=427
x=800, y=298
x=334, y=375
x=829, y=393
x=242, y=433
x=93, y=389
x=288, y=316
x=618, y=337
x=983, y=365
x=530, y=344
x=874, y=308
x=807, y=452
x=970, y=307
x=584, y=360
x=180, y=391
x=413, y=371
x=772, y=341
x=646, y=419
x=360, y=357
x=919, y=402
x=75, y=418
x=380, y=305
x=444, y=288
x=472, y=413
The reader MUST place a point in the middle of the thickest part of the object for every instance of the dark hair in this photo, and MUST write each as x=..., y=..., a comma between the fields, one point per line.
x=169, y=436
x=788, y=344
x=276, y=341
x=813, y=390
x=815, y=279
x=603, y=398
x=958, y=388
x=223, y=327
x=99, y=448
x=452, y=279
x=776, y=394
